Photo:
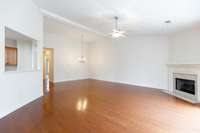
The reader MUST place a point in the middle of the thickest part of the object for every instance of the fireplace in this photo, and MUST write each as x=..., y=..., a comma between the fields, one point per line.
x=185, y=85
x=184, y=81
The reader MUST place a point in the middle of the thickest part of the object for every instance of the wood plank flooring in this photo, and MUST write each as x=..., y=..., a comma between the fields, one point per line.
x=91, y=106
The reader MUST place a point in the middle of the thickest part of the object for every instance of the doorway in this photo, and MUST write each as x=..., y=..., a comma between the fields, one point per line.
x=48, y=68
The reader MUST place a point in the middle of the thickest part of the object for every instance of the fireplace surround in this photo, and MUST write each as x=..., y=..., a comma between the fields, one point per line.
x=183, y=81
x=185, y=86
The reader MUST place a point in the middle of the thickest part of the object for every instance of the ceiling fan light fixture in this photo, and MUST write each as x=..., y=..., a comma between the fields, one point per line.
x=117, y=33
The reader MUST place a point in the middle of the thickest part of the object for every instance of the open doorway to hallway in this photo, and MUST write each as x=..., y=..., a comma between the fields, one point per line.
x=48, y=68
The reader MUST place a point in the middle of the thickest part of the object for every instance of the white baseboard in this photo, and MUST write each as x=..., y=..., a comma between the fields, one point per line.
x=125, y=83
x=15, y=108
x=60, y=81
x=167, y=91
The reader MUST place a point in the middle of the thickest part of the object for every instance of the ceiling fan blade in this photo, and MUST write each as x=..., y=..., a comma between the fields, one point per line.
x=122, y=32
x=123, y=35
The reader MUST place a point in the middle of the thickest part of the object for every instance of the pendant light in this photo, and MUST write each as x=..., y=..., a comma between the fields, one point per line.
x=82, y=58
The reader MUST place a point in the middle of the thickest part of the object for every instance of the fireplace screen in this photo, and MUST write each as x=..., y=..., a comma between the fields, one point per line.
x=185, y=85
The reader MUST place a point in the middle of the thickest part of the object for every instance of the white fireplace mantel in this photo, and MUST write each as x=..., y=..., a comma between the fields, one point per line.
x=184, y=65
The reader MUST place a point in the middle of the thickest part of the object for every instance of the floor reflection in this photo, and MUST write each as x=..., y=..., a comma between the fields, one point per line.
x=82, y=104
x=48, y=101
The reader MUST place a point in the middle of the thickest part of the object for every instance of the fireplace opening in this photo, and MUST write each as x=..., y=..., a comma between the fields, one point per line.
x=185, y=85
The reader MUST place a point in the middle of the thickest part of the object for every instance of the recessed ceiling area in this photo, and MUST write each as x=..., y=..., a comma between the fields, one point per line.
x=135, y=16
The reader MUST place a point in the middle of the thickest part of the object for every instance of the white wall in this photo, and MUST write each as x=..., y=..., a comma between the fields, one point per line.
x=139, y=60
x=11, y=43
x=65, y=39
x=18, y=89
x=185, y=47
x=25, y=56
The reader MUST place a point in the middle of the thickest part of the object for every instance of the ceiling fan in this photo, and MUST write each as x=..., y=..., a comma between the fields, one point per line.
x=117, y=33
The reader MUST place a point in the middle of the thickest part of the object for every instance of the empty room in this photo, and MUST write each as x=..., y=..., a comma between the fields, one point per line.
x=100, y=66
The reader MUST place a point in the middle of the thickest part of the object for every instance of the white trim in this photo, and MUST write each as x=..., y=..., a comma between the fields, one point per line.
x=17, y=106
x=131, y=84
x=184, y=65
x=72, y=79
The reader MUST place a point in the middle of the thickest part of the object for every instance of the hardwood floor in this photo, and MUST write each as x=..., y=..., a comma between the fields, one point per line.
x=91, y=106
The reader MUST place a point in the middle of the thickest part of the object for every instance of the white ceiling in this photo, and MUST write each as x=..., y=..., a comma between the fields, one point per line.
x=136, y=16
x=14, y=35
